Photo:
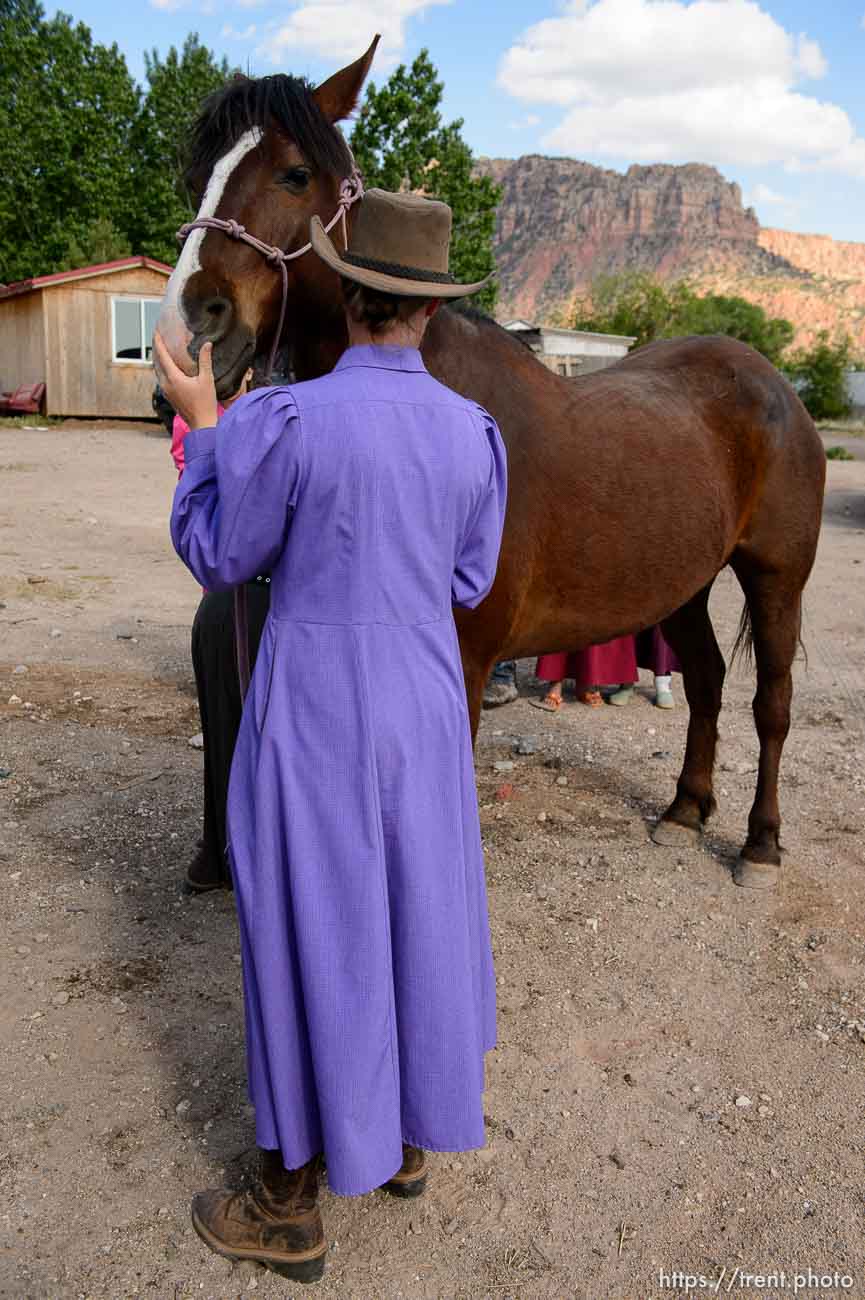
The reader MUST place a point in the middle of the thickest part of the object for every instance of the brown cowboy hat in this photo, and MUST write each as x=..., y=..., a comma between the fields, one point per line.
x=399, y=244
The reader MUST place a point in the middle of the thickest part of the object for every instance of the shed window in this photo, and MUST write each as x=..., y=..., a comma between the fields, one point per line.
x=132, y=323
x=562, y=368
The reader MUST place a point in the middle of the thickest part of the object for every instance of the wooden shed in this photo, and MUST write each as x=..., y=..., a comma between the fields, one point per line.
x=87, y=334
x=570, y=352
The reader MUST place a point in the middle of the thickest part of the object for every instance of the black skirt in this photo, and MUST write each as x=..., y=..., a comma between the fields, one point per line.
x=215, y=663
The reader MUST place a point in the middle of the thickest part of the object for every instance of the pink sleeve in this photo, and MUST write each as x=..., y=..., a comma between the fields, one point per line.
x=179, y=430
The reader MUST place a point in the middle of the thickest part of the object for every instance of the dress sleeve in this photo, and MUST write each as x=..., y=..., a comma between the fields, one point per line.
x=179, y=430
x=477, y=558
x=233, y=505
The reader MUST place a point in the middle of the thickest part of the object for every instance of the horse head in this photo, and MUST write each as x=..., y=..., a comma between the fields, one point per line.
x=265, y=153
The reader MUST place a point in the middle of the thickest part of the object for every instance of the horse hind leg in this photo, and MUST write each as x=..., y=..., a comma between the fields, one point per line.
x=774, y=605
x=689, y=631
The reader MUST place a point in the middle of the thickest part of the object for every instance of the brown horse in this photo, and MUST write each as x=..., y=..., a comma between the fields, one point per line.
x=629, y=489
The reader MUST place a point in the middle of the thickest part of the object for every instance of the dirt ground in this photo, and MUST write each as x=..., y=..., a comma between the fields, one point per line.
x=678, y=1086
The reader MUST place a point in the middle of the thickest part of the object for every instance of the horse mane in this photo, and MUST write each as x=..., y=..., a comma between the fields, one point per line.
x=482, y=320
x=465, y=307
x=288, y=103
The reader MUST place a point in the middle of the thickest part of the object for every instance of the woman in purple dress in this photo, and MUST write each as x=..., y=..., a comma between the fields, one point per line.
x=375, y=498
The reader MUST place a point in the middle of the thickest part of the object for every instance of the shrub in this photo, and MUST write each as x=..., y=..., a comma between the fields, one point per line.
x=819, y=375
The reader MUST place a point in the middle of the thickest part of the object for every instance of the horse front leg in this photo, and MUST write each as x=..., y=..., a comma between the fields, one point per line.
x=476, y=674
x=690, y=633
x=477, y=662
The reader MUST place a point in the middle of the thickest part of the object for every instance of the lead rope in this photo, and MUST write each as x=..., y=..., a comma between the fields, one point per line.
x=350, y=191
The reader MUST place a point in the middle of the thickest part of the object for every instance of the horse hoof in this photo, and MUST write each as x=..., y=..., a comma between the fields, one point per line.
x=674, y=835
x=756, y=875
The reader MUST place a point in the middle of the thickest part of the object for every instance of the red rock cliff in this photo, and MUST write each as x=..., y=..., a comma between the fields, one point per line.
x=562, y=222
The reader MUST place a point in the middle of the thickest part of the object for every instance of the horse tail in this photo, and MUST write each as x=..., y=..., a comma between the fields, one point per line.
x=800, y=639
x=744, y=643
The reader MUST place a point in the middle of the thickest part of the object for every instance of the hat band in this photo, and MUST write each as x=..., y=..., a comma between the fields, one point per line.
x=397, y=269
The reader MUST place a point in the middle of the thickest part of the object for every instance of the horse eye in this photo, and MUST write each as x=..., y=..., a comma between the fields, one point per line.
x=296, y=178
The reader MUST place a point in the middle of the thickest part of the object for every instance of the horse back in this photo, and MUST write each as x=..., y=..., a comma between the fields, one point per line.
x=729, y=382
x=671, y=458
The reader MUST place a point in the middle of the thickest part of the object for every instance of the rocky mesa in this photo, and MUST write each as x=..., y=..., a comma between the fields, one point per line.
x=562, y=222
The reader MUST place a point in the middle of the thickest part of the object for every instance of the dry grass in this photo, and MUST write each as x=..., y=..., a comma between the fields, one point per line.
x=29, y=421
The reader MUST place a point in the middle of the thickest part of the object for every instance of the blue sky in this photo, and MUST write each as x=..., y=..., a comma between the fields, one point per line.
x=770, y=91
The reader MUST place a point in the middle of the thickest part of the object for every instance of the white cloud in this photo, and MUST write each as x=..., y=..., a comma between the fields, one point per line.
x=765, y=194
x=342, y=29
x=780, y=206
x=810, y=57
x=708, y=80
x=232, y=33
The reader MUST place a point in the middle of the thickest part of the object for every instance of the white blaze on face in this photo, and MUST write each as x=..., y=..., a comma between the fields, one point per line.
x=172, y=324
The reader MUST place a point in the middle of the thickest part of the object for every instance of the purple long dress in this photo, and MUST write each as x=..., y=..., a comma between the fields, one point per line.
x=375, y=497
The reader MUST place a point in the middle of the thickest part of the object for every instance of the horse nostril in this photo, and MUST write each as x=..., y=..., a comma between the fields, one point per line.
x=217, y=315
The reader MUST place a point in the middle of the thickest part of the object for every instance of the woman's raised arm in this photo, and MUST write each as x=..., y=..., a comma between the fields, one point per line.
x=234, y=503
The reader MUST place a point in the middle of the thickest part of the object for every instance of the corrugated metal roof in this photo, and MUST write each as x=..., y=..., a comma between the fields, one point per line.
x=517, y=326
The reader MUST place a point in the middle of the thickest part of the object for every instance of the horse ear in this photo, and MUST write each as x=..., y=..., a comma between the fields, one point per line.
x=338, y=96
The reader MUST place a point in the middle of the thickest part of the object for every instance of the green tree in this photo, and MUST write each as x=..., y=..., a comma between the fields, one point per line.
x=637, y=303
x=819, y=375
x=69, y=105
x=400, y=142
x=176, y=85
x=100, y=241
x=632, y=303
x=714, y=313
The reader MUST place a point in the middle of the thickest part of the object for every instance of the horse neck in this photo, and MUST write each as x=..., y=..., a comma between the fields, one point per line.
x=322, y=339
x=319, y=336
x=458, y=350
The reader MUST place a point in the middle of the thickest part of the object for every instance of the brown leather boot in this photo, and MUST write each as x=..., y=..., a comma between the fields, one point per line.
x=276, y=1222
x=410, y=1179
x=204, y=873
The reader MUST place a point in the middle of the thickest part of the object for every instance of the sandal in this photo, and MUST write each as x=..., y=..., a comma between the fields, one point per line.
x=592, y=698
x=549, y=703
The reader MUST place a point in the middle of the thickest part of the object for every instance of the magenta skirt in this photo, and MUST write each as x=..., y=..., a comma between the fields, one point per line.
x=597, y=665
x=612, y=663
x=654, y=653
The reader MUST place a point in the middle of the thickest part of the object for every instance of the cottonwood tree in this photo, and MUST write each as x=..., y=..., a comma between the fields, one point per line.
x=176, y=86
x=99, y=241
x=637, y=303
x=69, y=105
